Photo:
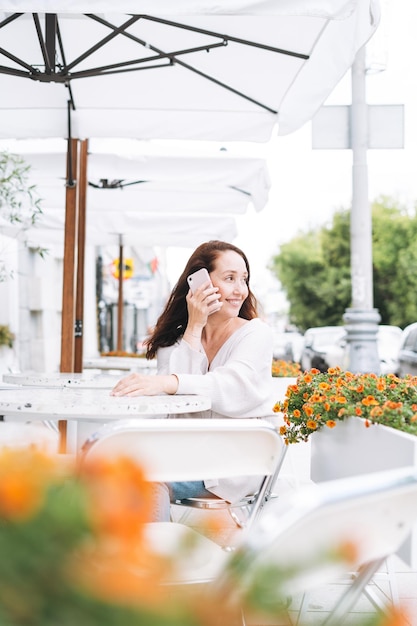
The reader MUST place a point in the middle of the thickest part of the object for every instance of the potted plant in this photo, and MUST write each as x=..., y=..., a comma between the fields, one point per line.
x=320, y=400
x=357, y=423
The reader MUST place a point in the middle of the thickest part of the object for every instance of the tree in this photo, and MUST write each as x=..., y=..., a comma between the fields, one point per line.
x=314, y=268
x=19, y=204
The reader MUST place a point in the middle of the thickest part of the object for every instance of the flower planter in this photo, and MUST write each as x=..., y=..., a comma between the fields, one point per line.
x=351, y=449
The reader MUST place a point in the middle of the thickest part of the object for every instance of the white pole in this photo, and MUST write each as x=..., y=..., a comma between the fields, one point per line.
x=362, y=319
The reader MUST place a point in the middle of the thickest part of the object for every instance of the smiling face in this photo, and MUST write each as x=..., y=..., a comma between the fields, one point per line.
x=230, y=275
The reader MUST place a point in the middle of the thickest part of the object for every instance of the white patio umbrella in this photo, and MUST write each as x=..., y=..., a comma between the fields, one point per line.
x=189, y=69
x=169, y=201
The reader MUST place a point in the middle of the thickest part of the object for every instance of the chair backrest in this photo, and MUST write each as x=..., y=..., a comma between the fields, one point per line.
x=191, y=449
x=367, y=517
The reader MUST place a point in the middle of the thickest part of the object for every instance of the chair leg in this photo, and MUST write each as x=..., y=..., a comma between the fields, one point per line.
x=238, y=521
x=378, y=598
x=184, y=515
x=349, y=599
x=303, y=609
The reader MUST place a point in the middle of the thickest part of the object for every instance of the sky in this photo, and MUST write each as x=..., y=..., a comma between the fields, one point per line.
x=307, y=185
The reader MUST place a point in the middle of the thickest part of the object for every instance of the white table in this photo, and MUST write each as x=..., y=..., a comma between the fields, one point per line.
x=85, y=380
x=126, y=363
x=90, y=408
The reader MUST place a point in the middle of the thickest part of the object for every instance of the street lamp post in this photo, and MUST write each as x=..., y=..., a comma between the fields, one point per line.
x=362, y=319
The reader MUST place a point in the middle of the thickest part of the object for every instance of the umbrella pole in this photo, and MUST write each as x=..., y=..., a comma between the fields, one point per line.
x=120, y=299
x=79, y=304
x=70, y=272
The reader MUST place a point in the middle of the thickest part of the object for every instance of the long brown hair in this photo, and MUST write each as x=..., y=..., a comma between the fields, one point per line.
x=173, y=320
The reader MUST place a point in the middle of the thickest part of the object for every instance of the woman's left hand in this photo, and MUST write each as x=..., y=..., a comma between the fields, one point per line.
x=145, y=385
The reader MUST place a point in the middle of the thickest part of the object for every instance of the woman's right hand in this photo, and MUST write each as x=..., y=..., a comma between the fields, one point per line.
x=202, y=303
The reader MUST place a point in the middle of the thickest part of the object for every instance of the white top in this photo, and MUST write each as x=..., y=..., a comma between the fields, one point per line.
x=238, y=381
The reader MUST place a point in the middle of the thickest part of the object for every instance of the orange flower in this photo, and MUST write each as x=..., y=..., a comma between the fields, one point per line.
x=326, y=406
x=393, y=405
x=297, y=413
x=358, y=411
x=395, y=617
x=311, y=424
x=121, y=498
x=376, y=411
x=324, y=386
x=24, y=481
x=348, y=552
x=369, y=400
x=282, y=430
x=330, y=423
x=308, y=410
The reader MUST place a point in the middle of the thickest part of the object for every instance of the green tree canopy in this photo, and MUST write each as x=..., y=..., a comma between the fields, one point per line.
x=314, y=268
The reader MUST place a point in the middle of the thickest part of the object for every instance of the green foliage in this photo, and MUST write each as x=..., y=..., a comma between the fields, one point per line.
x=315, y=275
x=314, y=268
x=18, y=201
x=20, y=205
x=6, y=336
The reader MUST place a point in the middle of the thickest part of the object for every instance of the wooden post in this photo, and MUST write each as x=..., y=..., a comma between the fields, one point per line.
x=79, y=303
x=69, y=273
x=120, y=300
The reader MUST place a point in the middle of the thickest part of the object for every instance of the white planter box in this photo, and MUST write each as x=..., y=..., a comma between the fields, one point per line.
x=351, y=449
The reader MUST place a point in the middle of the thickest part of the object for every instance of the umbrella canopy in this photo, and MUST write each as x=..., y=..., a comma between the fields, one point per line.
x=188, y=69
x=161, y=200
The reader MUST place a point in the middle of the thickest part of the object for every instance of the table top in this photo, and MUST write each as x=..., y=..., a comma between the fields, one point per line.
x=85, y=380
x=120, y=363
x=29, y=404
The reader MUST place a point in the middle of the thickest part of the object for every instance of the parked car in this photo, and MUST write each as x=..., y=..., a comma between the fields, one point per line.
x=287, y=345
x=317, y=341
x=388, y=346
x=407, y=354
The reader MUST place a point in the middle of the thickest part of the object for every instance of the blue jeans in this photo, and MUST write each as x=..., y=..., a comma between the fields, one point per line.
x=188, y=489
x=170, y=492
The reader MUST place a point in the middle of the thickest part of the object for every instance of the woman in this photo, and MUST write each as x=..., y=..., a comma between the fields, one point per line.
x=211, y=342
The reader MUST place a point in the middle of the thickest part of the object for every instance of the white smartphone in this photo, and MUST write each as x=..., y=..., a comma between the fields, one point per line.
x=197, y=279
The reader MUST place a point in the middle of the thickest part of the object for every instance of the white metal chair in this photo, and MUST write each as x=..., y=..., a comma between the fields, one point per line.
x=373, y=514
x=194, y=449
x=244, y=511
